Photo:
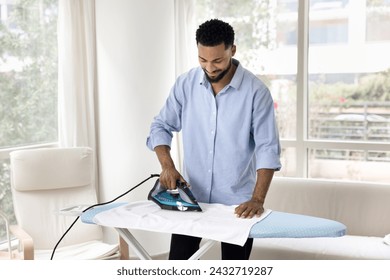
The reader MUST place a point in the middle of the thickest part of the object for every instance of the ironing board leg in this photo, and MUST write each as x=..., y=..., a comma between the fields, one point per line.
x=203, y=249
x=134, y=244
x=143, y=255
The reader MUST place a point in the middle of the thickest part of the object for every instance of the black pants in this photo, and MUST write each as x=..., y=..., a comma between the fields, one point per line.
x=183, y=247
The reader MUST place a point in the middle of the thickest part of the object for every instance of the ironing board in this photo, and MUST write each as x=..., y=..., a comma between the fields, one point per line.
x=275, y=225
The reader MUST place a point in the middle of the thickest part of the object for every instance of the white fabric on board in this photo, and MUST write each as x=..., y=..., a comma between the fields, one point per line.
x=216, y=221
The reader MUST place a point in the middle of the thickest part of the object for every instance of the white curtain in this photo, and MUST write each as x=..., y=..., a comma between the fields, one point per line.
x=77, y=73
x=185, y=55
x=77, y=82
x=185, y=45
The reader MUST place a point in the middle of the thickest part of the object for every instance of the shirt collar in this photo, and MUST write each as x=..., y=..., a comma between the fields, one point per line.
x=238, y=75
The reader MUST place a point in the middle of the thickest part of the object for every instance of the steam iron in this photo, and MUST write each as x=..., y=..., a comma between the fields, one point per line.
x=180, y=199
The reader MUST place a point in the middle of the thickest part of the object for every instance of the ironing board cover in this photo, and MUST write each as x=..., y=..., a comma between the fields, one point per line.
x=274, y=225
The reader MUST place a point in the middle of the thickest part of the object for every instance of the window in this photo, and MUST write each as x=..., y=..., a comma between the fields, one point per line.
x=331, y=91
x=28, y=83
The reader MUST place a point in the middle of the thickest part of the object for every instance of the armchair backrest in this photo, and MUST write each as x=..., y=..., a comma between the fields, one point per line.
x=45, y=180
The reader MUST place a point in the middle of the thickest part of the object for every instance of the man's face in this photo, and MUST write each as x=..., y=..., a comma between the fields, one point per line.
x=215, y=61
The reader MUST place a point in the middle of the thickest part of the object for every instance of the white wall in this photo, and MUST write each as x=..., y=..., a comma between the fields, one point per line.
x=135, y=53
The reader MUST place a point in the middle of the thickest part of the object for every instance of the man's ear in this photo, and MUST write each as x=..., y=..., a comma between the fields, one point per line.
x=233, y=50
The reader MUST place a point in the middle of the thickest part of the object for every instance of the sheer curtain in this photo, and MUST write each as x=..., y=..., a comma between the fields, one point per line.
x=77, y=88
x=185, y=44
x=77, y=73
x=184, y=53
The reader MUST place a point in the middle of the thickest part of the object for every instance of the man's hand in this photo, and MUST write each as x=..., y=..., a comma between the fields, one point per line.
x=249, y=209
x=169, y=177
x=254, y=206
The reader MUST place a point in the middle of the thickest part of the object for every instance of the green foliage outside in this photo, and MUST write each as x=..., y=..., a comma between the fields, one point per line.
x=28, y=82
x=28, y=89
x=358, y=111
x=373, y=87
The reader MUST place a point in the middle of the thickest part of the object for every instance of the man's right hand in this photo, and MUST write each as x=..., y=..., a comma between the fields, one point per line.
x=169, y=177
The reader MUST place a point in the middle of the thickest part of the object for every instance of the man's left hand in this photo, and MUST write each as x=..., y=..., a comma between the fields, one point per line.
x=249, y=209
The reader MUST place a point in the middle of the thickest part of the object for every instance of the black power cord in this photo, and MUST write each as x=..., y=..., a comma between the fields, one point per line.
x=99, y=204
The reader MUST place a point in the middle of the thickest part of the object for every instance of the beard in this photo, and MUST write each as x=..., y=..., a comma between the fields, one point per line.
x=220, y=76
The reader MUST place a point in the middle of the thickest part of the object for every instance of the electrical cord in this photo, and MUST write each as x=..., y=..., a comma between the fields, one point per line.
x=99, y=204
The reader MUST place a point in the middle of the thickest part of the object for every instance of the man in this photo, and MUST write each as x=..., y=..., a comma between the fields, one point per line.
x=230, y=140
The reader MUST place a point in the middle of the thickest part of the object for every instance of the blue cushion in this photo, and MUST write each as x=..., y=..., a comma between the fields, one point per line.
x=287, y=225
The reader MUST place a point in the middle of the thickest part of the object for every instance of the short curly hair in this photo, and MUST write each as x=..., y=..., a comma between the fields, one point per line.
x=214, y=32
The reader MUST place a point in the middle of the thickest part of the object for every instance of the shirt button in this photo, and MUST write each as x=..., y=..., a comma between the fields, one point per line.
x=209, y=170
x=212, y=132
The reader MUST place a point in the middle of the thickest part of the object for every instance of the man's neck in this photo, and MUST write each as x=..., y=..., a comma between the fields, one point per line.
x=217, y=87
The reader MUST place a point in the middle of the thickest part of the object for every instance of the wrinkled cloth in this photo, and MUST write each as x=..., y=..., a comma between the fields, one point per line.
x=216, y=221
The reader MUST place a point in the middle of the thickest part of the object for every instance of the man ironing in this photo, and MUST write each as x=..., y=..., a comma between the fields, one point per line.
x=230, y=138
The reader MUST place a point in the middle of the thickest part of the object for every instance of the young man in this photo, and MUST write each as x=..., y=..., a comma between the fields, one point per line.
x=230, y=138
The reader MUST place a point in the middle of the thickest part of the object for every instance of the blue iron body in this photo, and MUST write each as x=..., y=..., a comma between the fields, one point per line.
x=180, y=199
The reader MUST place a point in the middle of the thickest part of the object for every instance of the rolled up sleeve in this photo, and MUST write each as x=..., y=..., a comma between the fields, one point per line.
x=265, y=132
x=167, y=121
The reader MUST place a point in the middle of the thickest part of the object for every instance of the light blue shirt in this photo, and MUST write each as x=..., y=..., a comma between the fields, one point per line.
x=226, y=137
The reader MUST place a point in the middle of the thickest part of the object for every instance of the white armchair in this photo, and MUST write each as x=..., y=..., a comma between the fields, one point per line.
x=45, y=180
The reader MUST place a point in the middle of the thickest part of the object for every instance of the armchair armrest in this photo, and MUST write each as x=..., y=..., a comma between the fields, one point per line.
x=25, y=242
